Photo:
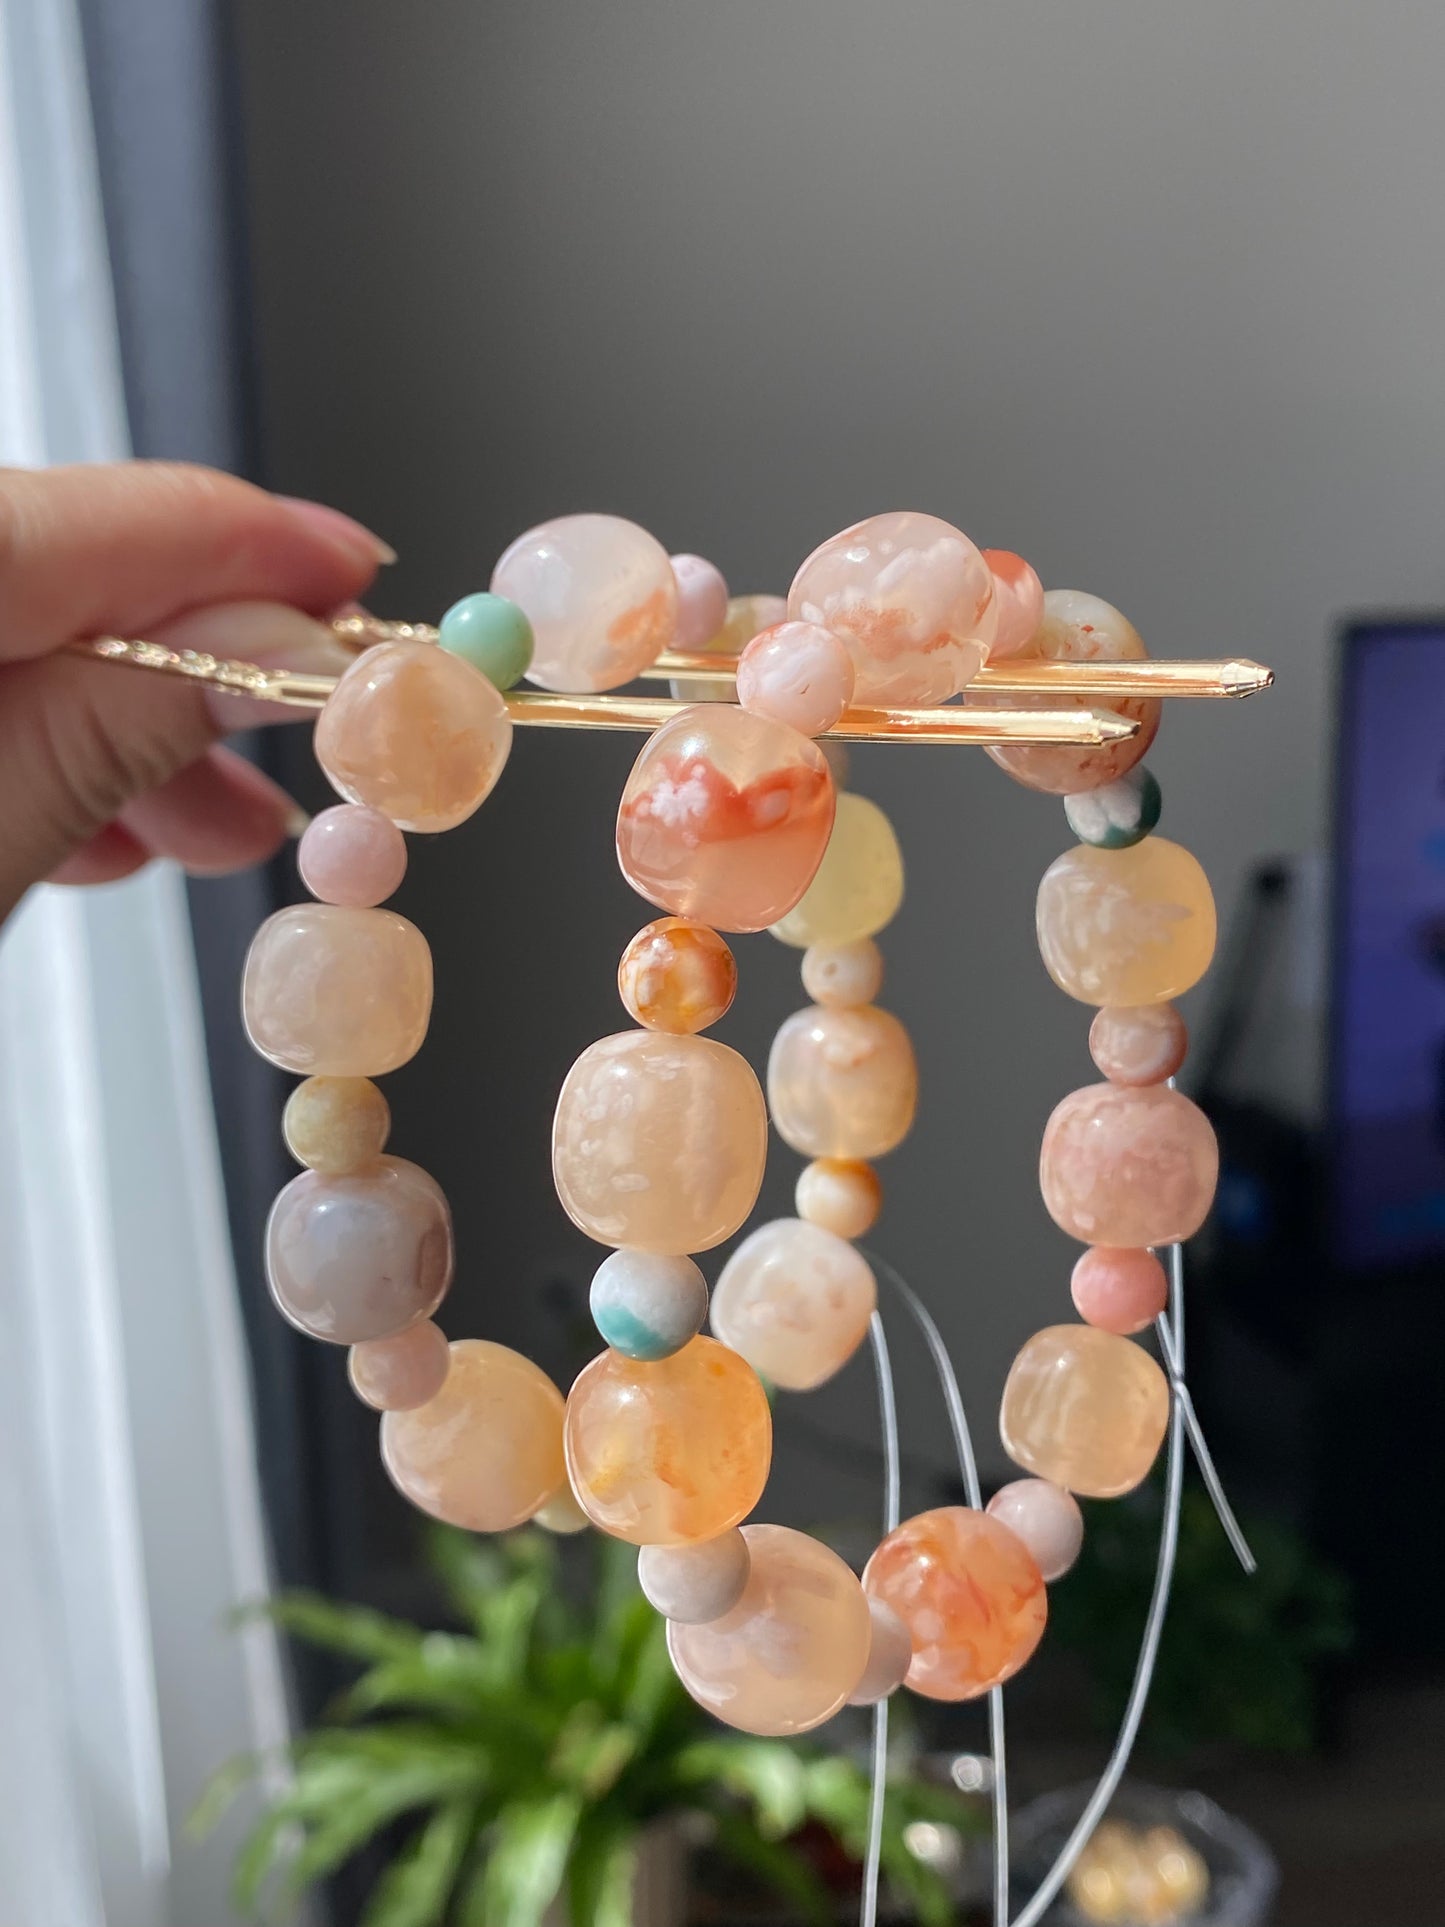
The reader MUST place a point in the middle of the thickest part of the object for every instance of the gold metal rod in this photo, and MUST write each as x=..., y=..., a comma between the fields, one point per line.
x=1093, y=679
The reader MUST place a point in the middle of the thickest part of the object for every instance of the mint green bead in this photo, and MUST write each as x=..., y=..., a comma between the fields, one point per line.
x=490, y=633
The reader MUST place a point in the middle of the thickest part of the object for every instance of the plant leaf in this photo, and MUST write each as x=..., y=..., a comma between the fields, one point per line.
x=771, y=1777
x=416, y=1887
x=600, y=1871
x=526, y=1857
x=783, y=1871
x=354, y=1630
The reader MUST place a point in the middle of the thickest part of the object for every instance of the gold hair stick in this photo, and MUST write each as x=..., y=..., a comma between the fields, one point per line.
x=1152, y=677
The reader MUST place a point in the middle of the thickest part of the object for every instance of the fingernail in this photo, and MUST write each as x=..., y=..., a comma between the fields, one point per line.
x=336, y=527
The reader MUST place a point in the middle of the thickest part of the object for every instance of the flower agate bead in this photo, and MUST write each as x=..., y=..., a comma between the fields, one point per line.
x=841, y=975
x=1138, y=1044
x=352, y=855
x=336, y=1124
x=1080, y=628
x=490, y=633
x=793, y=1648
x=1085, y=1410
x=905, y=593
x=702, y=601
x=337, y=992
x=485, y=1453
x=794, y=1301
x=600, y=595
x=842, y=1083
x=1046, y=1518
x=415, y=733
x=1128, y=1167
x=859, y=884
x=1126, y=926
x=970, y=1595
x=1018, y=603
x=890, y=1654
x=725, y=817
x=842, y=1195
x=669, y=1453
x=677, y=976
x=796, y=674
x=646, y=1306
x=359, y=1256
x=1118, y=1288
x=397, y=1374
x=693, y=1584
x=659, y=1141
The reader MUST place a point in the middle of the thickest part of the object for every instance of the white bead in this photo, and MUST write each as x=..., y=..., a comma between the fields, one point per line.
x=697, y=1583
x=562, y=1513
x=646, y=1305
x=890, y=1653
x=841, y=974
x=1046, y=1518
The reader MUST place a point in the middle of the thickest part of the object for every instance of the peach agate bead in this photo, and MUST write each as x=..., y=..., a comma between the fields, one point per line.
x=890, y=1654
x=693, y=1584
x=600, y=595
x=416, y=733
x=1128, y=1167
x=677, y=976
x=702, y=601
x=725, y=817
x=796, y=674
x=486, y=1452
x=842, y=1195
x=1132, y=926
x=1085, y=1410
x=399, y=1373
x=359, y=1256
x=1138, y=1044
x=1119, y=1288
x=1018, y=603
x=1080, y=628
x=970, y=1595
x=1046, y=1518
x=859, y=884
x=840, y=974
x=906, y=594
x=352, y=855
x=669, y=1453
x=336, y=1124
x=791, y=1650
x=794, y=1301
x=337, y=992
x=842, y=1083
x=659, y=1141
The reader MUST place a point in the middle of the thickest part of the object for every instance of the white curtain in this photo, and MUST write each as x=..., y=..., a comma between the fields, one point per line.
x=130, y=1521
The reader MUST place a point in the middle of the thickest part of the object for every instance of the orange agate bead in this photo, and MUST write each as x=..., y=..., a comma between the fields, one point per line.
x=677, y=976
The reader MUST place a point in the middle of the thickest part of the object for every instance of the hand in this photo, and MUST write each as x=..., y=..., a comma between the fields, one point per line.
x=103, y=767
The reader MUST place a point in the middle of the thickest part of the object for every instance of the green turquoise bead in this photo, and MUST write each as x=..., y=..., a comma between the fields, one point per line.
x=1118, y=815
x=490, y=633
x=646, y=1306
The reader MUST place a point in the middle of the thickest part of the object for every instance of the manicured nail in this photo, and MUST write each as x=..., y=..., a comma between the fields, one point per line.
x=337, y=527
x=298, y=821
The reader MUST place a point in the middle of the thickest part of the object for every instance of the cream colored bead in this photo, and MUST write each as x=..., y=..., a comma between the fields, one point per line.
x=693, y=1584
x=336, y=1124
x=336, y=992
x=842, y=1083
x=890, y=1654
x=795, y=1302
x=841, y=975
x=858, y=886
x=842, y=1195
x=1124, y=927
x=562, y=1515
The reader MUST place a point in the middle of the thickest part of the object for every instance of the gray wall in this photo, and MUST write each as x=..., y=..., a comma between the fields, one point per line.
x=1153, y=293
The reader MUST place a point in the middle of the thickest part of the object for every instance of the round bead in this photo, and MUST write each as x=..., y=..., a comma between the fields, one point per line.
x=561, y=1514
x=1080, y=628
x=702, y=601
x=746, y=617
x=600, y=595
x=842, y=1083
x=677, y=976
x=1126, y=926
x=843, y=975
x=415, y=733
x=793, y=1648
x=794, y=1301
x=725, y=817
x=859, y=884
x=1018, y=603
x=797, y=674
x=1085, y=1410
x=905, y=593
x=693, y=1584
x=970, y=1595
x=1138, y=1043
x=890, y=1654
x=1128, y=1167
x=647, y=1306
x=397, y=1374
x=337, y=992
x=359, y=1256
x=336, y=1124
x=1119, y=1288
x=669, y=1453
x=842, y=1195
x=485, y=1453
x=352, y=855
x=659, y=1142
x=1117, y=816
x=1046, y=1518
x=490, y=633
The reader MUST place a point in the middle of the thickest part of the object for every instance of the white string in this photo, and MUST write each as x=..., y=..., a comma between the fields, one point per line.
x=892, y=1502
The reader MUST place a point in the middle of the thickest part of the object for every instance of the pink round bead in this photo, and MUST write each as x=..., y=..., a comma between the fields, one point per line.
x=1119, y=1288
x=1046, y=1518
x=399, y=1373
x=797, y=674
x=1128, y=1167
x=1138, y=1043
x=702, y=601
x=1018, y=603
x=352, y=855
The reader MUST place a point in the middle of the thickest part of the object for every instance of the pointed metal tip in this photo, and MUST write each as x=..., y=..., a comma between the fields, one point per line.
x=1245, y=678
x=1112, y=728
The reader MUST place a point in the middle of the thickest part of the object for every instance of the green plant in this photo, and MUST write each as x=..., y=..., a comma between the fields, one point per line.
x=528, y=1752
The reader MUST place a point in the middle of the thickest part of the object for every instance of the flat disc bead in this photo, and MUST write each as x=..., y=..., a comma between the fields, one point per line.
x=336, y=992
x=677, y=976
x=1139, y=1043
x=725, y=817
x=842, y=974
x=1126, y=926
x=1119, y=1288
x=361, y=1256
x=1117, y=816
x=1046, y=1518
x=669, y=1453
x=842, y=1083
x=1085, y=1410
x=352, y=855
x=646, y=1306
x=797, y=674
x=890, y=1654
x=416, y=733
x=859, y=884
x=1128, y=1167
x=398, y=1374
x=794, y=1301
x=1018, y=603
x=336, y=1124
x=793, y=1648
x=970, y=1595
x=659, y=1142
x=693, y=1584
x=842, y=1195
x=485, y=1453
x=600, y=595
